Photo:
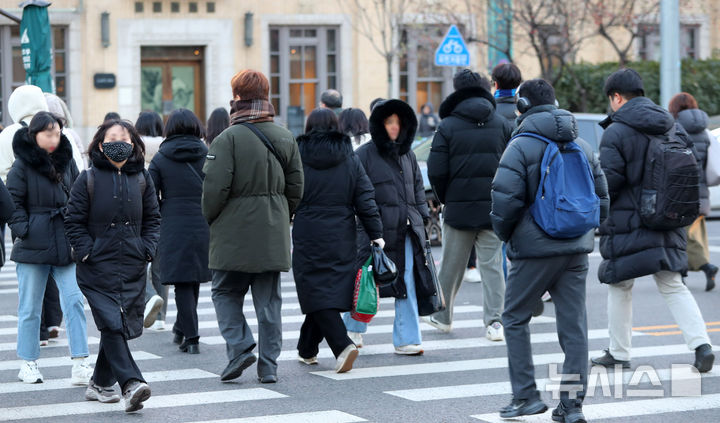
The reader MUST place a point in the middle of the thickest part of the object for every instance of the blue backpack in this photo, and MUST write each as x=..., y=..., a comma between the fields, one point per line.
x=566, y=205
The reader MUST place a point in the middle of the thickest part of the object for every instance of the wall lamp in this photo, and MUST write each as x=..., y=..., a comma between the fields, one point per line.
x=105, y=29
x=248, y=29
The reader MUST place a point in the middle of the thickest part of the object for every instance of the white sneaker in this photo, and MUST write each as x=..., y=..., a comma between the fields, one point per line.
x=81, y=372
x=346, y=359
x=356, y=337
x=158, y=325
x=546, y=297
x=442, y=327
x=152, y=307
x=472, y=276
x=308, y=361
x=409, y=350
x=44, y=342
x=495, y=332
x=29, y=372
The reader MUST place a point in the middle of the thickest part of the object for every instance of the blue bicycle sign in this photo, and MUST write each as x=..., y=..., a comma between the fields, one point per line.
x=452, y=51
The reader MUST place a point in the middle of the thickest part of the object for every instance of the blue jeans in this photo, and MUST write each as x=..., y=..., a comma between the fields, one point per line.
x=406, y=329
x=32, y=280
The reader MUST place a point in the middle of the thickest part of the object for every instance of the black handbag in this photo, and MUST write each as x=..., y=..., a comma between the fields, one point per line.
x=436, y=302
x=384, y=270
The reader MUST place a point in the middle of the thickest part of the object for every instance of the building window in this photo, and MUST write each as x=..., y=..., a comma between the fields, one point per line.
x=12, y=72
x=175, y=7
x=420, y=80
x=193, y=7
x=649, y=42
x=157, y=7
x=139, y=7
x=304, y=62
x=210, y=7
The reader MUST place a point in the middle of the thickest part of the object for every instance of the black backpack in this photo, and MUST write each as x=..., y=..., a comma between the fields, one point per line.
x=670, y=196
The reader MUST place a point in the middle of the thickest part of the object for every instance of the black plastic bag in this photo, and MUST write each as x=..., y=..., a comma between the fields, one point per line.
x=384, y=270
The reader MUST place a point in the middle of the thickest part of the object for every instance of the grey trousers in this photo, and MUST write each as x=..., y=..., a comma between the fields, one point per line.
x=154, y=286
x=455, y=254
x=228, y=295
x=564, y=277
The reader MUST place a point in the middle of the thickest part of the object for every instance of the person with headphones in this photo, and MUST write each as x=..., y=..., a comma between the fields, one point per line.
x=541, y=262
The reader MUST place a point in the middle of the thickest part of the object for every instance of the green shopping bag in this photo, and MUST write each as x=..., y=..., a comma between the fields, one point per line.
x=366, y=298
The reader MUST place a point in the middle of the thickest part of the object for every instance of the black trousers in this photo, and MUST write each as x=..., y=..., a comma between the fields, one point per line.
x=564, y=277
x=472, y=262
x=114, y=361
x=186, y=301
x=51, y=311
x=322, y=324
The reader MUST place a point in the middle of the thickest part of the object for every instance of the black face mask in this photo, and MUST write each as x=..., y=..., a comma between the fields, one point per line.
x=117, y=151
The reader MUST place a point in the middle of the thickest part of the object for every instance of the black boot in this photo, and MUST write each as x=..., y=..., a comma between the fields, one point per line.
x=704, y=358
x=607, y=360
x=190, y=346
x=710, y=272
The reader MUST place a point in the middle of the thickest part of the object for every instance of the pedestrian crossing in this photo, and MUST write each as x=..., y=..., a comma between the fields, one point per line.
x=455, y=368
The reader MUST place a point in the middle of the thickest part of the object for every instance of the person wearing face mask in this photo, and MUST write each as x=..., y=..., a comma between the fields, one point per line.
x=113, y=223
x=39, y=183
x=400, y=195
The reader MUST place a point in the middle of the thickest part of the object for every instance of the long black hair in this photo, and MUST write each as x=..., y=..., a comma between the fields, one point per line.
x=184, y=122
x=43, y=121
x=218, y=121
x=138, y=154
x=149, y=124
x=322, y=120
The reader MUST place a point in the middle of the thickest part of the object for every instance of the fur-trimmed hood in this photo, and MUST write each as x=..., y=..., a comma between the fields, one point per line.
x=100, y=161
x=53, y=165
x=324, y=149
x=408, y=125
x=473, y=103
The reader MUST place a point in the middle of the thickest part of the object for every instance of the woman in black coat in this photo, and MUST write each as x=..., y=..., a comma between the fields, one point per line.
x=39, y=183
x=324, y=253
x=184, y=233
x=400, y=195
x=113, y=224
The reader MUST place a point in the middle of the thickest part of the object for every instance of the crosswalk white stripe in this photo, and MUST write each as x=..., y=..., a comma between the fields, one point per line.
x=329, y=416
x=625, y=409
x=448, y=344
x=480, y=364
x=162, y=401
x=65, y=361
x=55, y=384
x=8, y=318
x=11, y=346
x=372, y=329
x=501, y=388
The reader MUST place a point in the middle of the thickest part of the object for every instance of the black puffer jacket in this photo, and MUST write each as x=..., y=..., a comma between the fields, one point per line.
x=516, y=183
x=465, y=154
x=324, y=234
x=507, y=108
x=399, y=194
x=40, y=187
x=628, y=248
x=184, y=233
x=695, y=123
x=117, y=229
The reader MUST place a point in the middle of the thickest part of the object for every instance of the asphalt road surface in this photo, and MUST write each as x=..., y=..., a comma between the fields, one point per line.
x=462, y=377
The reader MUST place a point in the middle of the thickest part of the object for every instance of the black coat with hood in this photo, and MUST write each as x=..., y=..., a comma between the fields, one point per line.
x=507, y=108
x=399, y=194
x=114, y=233
x=184, y=233
x=629, y=249
x=518, y=177
x=465, y=154
x=39, y=184
x=695, y=123
x=428, y=123
x=324, y=231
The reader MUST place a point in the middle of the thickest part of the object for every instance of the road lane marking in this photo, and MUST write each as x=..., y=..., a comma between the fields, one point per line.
x=65, y=361
x=330, y=416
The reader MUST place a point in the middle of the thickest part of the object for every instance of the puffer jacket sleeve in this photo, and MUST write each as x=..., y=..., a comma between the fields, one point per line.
x=17, y=186
x=154, y=170
x=420, y=199
x=438, y=164
x=7, y=205
x=364, y=202
x=294, y=179
x=150, y=231
x=76, y=220
x=601, y=187
x=612, y=160
x=219, y=169
x=509, y=192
